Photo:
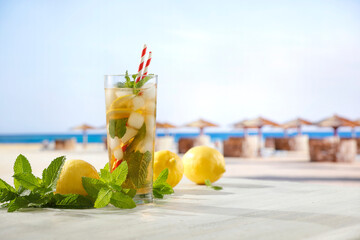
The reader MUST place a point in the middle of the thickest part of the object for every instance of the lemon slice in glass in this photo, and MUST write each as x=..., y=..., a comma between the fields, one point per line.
x=118, y=113
x=122, y=102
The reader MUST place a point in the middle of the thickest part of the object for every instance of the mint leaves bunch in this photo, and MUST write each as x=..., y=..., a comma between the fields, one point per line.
x=108, y=189
x=31, y=191
x=160, y=186
x=131, y=83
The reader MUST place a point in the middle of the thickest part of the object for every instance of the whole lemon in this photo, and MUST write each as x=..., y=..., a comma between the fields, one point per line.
x=70, y=180
x=201, y=163
x=166, y=159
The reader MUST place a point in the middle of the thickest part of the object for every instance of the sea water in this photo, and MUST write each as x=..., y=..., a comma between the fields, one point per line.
x=98, y=137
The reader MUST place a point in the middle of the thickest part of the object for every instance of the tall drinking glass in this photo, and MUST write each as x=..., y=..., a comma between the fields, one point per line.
x=130, y=124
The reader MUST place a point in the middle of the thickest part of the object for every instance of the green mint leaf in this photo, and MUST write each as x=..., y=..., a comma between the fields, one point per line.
x=6, y=195
x=44, y=173
x=128, y=183
x=39, y=180
x=131, y=83
x=144, y=80
x=128, y=83
x=157, y=193
x=162, y=177
x=135, y=91
x=130, y=192
x=117, y=127
x=35, y=199
x=166, y=189
x=44, y=190
x=52, y=172
x=21, y=189
x=4, y=185
x=28, y=180
x=118, y=176
x=103, y=198
x=106, y=167
x=160, y=186
x=92, y=186
x=17, y=204
x=209, y=184
x=137, y=139
x=138, y=167
x=162, y=189
x=121, y=200
x=73, y=201
x=21, y=165
x=134, y=76
x=25, y=192
x=115, y=187
x=105, y=174
x=121, y=85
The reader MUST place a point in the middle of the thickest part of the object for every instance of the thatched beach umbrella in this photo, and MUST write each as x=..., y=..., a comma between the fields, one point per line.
x=84, y=128
x=256, y=123
x=296, y=123
x=201, y=123
x=165, y=126
x=159, y=125
x=168, y=125
x=335, y=122
x=241, y=126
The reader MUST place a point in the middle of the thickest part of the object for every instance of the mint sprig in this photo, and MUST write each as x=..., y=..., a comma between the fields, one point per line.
x=209, y=184
x=21, y=165
x=117, y=127
x=108, y=188
x=32, y=191
x=160, y=186
x=131, y=83
x=112, y=188
x=51, y=174
x=138, y=167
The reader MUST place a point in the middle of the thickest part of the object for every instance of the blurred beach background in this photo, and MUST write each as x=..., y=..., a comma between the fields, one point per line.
x=221, y=61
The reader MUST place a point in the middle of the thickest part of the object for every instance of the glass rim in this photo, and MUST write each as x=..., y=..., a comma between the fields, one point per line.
x=130, y=74
x=110, y=81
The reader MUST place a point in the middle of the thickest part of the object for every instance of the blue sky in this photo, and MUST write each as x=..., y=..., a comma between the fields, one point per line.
x=220, y=60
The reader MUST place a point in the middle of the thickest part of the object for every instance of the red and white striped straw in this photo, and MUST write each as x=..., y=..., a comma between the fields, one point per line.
x=147, y=66
x=141, y=63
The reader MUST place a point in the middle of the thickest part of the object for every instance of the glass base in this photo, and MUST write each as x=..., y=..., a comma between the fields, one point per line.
x=143, y=198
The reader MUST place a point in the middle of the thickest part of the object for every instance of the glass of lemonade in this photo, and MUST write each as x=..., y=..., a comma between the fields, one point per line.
x=130, y=124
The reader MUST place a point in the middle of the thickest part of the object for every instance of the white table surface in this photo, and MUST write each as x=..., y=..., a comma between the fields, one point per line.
x=244, y=209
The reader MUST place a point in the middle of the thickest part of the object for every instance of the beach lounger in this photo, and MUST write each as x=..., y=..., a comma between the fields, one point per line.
x=65, y=144
x=247, y=147
x=282, y=144
x=299, y=143
x=332, y=149
x=185, y=144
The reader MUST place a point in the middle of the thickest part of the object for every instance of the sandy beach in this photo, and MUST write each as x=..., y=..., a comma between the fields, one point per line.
x=281, y=166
